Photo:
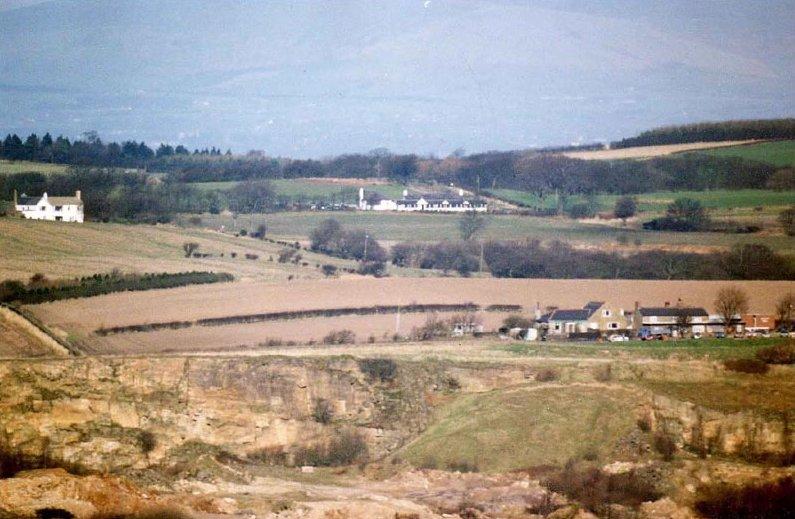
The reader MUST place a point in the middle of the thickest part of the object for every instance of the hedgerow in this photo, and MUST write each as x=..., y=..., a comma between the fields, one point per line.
x=39, y=290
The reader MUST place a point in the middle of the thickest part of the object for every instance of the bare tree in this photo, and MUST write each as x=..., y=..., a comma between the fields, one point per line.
x=683, y=321
x=730, y=302
x=470, y=224
x=785, y=309
x=189, y=248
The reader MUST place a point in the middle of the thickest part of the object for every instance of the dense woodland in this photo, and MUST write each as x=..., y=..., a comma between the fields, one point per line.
x=712, y=132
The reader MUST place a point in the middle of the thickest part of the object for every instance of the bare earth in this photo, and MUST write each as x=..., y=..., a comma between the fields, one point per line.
x=641, y=152
x=83, y=316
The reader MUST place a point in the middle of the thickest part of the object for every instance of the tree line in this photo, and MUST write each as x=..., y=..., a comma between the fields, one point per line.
x=91, y=151
x=712, y=132
x=39, y=289
x=558, y=260
x=537, y=171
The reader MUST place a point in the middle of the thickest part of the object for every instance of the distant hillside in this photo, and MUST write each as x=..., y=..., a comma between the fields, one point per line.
x=759, y=129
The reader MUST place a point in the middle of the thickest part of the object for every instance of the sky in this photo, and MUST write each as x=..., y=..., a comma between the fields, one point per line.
x=307, y=78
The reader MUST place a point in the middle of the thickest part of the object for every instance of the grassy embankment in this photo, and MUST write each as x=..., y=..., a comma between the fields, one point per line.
x=514, y=428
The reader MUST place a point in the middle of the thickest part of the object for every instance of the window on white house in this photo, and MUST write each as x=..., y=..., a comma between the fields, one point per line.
x=606, y=313
x=613, y=326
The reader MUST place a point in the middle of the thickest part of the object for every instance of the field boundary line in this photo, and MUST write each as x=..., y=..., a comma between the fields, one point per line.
x=304, y=314
x=39, y=330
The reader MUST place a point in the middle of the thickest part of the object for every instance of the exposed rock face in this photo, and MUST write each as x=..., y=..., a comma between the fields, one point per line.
x=83, y=497
x=112, y=414
x=746, y=433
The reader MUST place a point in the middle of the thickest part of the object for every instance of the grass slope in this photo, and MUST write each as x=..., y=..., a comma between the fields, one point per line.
x=20, y=166
x=778, y=153
x=514, y=428
x=65, y=249
x=313, y=188
x=656, y=202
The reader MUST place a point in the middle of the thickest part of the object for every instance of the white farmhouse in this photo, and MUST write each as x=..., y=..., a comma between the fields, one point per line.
x=53, y=208
x=436, y=203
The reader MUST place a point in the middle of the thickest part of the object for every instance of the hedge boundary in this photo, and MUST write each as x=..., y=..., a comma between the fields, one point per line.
x=298, y=314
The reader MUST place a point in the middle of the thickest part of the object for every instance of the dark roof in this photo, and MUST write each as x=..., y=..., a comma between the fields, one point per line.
x=28, y=200
x=434, y=197
x=594, y=305
x=673, y=311
x=570, y=315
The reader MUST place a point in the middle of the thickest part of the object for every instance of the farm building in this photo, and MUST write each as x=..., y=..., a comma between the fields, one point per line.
x=594, y=317
x=53, y=208
x=435, y=203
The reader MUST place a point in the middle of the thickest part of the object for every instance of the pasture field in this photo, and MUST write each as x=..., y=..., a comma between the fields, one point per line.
x=67, y=250
x=778, y=153
x=8, y=167
x=79, y=318
x=395, y=227
x=344, y=189
x=645, y=152
x=720, y=201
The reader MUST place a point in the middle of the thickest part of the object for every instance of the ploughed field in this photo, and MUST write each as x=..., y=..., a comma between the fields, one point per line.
x=643, y=152
x=250, y=314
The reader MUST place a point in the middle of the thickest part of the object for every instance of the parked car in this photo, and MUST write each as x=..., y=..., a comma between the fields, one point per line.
x=697, y=336
x=617, y=337
x=720, y=335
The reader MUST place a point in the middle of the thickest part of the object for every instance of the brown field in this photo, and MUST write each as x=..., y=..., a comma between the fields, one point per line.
x=81, y=317
x=643, y=152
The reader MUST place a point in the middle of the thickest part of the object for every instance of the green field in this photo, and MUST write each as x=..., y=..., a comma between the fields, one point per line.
x=514, y=428
x=778, y=153
x=20, y=166
x=718, y=200
x=435, y=227
x=689, y=349
x=312, y=189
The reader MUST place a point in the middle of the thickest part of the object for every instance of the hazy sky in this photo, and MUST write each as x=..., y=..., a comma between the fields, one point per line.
x=312, y=78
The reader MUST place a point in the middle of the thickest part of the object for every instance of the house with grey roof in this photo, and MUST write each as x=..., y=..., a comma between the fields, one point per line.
x=595, y=318
x=52, y=208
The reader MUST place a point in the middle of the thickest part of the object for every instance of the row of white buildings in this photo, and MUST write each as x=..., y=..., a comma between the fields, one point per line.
x=436, y=203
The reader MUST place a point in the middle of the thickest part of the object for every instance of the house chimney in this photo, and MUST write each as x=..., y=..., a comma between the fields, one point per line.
x=667, y=304
x=460, y=192
x=78, y=194
x=44, y=196
x=405, y=193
